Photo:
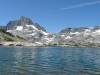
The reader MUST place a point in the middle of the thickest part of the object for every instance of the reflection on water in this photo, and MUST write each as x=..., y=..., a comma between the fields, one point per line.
x=49, y=61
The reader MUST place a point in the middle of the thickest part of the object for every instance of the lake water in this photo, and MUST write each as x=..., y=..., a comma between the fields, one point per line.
x=49, y=61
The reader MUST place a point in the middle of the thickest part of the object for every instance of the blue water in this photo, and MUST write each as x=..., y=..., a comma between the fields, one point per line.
x=49, y=61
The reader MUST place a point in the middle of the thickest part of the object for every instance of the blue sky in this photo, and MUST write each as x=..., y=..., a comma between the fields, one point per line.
x=54, y=15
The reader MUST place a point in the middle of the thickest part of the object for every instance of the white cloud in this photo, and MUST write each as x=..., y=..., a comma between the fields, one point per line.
x=81, y=5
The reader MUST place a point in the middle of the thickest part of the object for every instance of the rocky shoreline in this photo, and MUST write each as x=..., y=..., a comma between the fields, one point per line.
x=27, y=44
x=21, y=44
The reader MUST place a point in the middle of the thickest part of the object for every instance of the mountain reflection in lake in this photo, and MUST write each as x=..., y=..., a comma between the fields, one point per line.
x=49, y=61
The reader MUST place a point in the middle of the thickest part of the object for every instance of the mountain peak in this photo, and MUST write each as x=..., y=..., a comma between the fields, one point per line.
x=20, y=22
x=25, y=21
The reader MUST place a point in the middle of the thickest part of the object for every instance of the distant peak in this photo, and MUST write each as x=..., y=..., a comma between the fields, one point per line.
x=24, y=17
x=23, y=21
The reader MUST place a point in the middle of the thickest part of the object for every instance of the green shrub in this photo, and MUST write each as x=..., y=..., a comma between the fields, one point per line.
x=4, y=31
x=8, y=38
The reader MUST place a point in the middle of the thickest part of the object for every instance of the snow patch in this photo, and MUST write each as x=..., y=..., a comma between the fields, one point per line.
x=74, y=33
x=45, y=33
x=97, y=31
x=68, y=37
x=87, y=30
x=19, y=28
x=32, y=27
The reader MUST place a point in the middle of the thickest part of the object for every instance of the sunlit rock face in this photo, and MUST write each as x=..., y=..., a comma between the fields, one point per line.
x=79, y=36
x=32, y=32
x=21, y=22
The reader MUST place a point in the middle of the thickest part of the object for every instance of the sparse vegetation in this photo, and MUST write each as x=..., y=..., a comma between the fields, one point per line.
x=19, y=37
x=4, y=31
x=6, y=38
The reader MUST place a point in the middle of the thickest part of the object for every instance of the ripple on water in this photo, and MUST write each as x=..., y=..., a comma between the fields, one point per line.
x=49, y=61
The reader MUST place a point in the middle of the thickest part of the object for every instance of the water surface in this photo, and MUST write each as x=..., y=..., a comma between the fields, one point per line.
x=49, y=61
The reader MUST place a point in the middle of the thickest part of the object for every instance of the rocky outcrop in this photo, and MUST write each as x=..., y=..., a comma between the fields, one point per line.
x=31, y=32
x=79, y=37
x=21, y=22
x=6, y=36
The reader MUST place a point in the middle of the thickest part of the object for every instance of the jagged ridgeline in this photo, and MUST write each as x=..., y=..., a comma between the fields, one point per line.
x=22, y=22
x=29, y=30
x=81, y=37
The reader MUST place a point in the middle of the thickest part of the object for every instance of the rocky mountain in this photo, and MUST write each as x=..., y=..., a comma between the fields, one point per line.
x=79, y=37
x=22, y=22
x=36, y=35
x=31, y=32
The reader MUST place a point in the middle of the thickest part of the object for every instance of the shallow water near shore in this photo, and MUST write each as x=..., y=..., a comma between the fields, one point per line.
x=49, y=61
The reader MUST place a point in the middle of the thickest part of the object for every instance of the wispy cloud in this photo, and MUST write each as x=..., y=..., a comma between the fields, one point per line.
x=81, y=5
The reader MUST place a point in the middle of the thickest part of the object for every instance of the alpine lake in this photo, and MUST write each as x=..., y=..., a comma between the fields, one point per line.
x=49, y=61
